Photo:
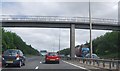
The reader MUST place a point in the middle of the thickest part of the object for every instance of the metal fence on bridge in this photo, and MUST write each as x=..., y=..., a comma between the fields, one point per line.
x=57, y=19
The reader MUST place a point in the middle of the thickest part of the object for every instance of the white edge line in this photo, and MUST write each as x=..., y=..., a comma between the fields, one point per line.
x=37, y=67
x=74, y=65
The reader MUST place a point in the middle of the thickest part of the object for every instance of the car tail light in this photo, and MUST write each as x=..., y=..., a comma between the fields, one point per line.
x=2, y=57
x=17, y=56
x=47, y=58
x=57, y=58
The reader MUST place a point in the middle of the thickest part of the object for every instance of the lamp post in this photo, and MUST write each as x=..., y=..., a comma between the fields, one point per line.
x=90, y=21
x=59, y=41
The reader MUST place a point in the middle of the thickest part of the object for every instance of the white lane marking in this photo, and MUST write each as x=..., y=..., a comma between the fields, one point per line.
x=37, y=67
x=40, y=62
x=74, y=65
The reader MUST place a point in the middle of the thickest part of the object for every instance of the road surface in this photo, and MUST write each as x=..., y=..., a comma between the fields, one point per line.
x=38, y=62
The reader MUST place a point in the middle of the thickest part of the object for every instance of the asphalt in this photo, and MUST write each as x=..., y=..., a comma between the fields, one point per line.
x=38, y=62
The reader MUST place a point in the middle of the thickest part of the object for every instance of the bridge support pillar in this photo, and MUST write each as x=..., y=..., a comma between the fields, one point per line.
x=72, y=40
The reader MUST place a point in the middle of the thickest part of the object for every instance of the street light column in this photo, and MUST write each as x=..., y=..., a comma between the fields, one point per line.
x=59, y=41
x=90, y=30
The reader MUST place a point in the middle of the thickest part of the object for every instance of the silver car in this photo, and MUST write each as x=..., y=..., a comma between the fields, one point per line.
x=93, y=56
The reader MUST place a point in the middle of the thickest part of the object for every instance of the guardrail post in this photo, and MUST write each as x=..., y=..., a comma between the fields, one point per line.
x=66, y=58
x=80, y=61
x=93, y=62
x=103, y=64
x=73, y=59
x=90, y=61
x=117, y=65
x=113, y=65
x=97, y=63
x=86, y=61
x=83, y=60
x=109, y=65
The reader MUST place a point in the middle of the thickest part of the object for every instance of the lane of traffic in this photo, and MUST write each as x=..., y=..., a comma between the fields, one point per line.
x=30, y=63
x=41, y=62
x=61, y=65
x=38, y=62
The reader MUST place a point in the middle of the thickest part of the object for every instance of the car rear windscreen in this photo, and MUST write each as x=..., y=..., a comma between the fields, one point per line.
x=43, y=52
x=52, y=54
x=10, y=52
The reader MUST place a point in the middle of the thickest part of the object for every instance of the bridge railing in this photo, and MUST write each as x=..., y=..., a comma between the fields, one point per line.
x=100, y=63
x=58, y=19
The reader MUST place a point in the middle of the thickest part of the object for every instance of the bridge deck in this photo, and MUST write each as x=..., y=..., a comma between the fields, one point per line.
x=59, y=22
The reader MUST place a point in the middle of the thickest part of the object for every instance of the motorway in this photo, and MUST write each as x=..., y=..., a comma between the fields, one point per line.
x=38, y=62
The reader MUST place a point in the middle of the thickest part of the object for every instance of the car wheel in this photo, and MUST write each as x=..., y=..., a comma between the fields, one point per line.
x=20, y=64
x=24, y=64
x=58, y=62
x=4, y=65
x=46, y=62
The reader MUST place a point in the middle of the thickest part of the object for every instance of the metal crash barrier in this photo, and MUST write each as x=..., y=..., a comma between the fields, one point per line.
x=100, y=63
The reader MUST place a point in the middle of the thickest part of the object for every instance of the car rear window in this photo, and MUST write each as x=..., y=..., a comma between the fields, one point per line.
x=10, y=52
x=52, y=54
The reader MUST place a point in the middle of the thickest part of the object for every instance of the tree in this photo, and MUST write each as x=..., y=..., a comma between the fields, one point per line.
x=13, y=41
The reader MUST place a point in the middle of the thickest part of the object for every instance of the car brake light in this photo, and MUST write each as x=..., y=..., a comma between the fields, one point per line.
x=47, y=58
x=17, y=55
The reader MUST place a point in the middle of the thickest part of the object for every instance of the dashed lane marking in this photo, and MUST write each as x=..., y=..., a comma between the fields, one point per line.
x=37, y=67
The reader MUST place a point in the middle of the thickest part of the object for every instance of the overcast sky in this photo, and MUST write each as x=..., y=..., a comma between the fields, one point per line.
x=47, y=38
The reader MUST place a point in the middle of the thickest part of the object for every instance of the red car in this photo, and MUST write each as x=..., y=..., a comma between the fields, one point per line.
x=52, y=57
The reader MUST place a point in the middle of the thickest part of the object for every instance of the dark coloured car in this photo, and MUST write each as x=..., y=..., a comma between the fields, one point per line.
x=52, y=57
x=0, y=62
x=13, y=57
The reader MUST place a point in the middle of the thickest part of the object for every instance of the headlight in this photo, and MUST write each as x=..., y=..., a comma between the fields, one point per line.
x=17, y=58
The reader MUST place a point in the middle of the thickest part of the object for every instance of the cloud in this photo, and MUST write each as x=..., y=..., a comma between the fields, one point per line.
x=79, y=9
x=59, y=0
